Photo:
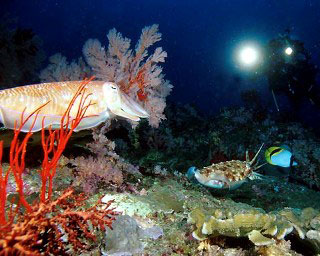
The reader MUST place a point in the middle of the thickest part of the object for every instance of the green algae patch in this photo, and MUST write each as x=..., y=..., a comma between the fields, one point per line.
x=166, y=197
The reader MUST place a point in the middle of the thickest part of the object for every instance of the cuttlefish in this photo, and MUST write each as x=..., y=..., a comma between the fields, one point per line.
x=106, y=99
x=227, y=175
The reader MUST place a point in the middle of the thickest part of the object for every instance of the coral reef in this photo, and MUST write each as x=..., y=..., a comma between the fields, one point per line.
x=261, y=228
x=125, y=236
x=147, y=205
x=187, y=139
x=34, y=227
x=52, y=227
x=137, y=74
x=60, y=69
x=181, y=210
x=104, y=167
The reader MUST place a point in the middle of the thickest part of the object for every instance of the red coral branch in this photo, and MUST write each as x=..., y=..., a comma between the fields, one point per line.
x=57, y=140
x=18, y=152
x=41, y=228
x=140, y=81
x=3, y=192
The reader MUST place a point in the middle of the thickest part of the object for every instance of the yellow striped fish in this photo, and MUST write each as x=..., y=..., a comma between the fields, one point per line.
x=280, y=156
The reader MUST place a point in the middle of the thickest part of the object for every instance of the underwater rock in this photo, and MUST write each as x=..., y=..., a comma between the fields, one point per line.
x=313, y=234
x=126, y=235
x=168, y=202
x=159, y=199
x=315, y=223
x=129, y=204
x=280, y=248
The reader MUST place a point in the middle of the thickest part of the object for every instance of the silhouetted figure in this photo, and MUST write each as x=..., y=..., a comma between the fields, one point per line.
x=290, y=71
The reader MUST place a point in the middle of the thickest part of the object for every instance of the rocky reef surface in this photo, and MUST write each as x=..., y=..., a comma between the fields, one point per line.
x=161, y=212
x=170, y=216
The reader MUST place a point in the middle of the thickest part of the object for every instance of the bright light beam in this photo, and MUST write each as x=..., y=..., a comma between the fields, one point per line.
x=288, y=50
x=248, y=56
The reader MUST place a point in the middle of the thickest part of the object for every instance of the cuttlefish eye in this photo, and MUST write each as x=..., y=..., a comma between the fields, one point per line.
x=113, y=87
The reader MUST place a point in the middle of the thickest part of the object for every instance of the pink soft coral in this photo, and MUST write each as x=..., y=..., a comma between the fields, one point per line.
x=137, y=74
x=59, y=69
x=105, y=168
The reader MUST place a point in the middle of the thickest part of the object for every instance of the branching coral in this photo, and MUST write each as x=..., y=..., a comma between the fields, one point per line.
x=50, y=227
x=137, y=74
x=53, y=146
x=43, y=226
x=105, y=167
x=60, y=69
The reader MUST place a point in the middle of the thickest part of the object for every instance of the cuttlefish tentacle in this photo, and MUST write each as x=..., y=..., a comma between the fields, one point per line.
x=106, y=100
x=255, y=157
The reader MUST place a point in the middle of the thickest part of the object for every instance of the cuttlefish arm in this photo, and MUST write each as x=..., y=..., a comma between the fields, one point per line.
x=121, y=104
x=106, y=98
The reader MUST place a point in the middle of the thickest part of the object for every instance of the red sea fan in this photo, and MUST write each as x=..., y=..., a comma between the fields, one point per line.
x=51, y=227
x=47, y=227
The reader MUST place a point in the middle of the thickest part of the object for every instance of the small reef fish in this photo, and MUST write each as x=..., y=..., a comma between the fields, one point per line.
x=106, y=98
x=280, y=156
x=226, y=175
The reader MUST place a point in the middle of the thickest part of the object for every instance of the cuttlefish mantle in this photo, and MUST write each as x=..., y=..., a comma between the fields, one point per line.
x=106, y=98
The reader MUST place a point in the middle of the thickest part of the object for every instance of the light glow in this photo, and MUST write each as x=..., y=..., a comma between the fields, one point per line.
x=288, y=51
x=248, y=56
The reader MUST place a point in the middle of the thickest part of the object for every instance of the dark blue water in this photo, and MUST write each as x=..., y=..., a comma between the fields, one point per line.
x=199, y=36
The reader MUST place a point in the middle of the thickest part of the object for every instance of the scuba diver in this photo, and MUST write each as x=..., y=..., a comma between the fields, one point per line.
x=290, y=71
